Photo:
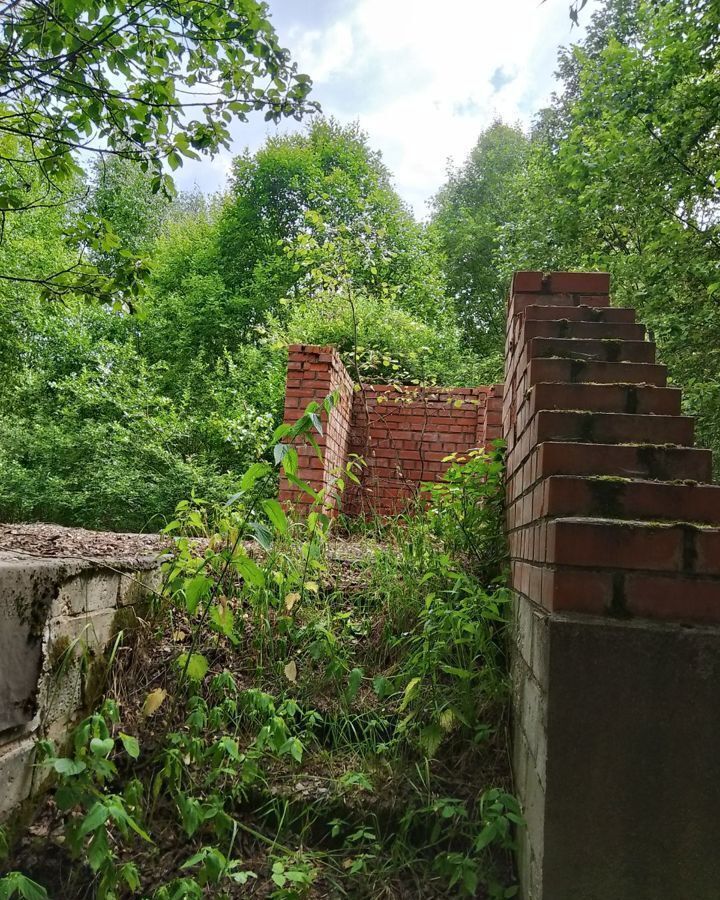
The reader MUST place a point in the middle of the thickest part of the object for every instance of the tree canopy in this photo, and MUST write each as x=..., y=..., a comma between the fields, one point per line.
x=471, y=213
x=154, y=82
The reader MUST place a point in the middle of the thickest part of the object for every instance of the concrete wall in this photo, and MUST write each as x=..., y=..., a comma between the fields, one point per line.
x=403, y=433
x=616, y=757
x=56, y=617
x=615, y=550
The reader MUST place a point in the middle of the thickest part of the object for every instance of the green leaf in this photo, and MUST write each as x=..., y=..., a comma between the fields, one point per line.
x=430, y=738
x=303, y=485
x=196, y=589
x=223, y=619
x=65, y=766
x=129, y=874
x=97, y=816
x=354, y=682
x=194, y=664
x=102, y=747
x=17, y=883
x=263, y=535
x=276, y=514
x=250, y=571
x=131, y=745
x=290, y=462
x=464, y=674
x=98, y=851
x=279, y=451
x=256, y=471
x=410, y=690
x=382, y=686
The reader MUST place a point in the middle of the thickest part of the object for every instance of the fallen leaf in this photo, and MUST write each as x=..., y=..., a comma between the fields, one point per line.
x=154, y=701
x=291, y=600
x=291, y=671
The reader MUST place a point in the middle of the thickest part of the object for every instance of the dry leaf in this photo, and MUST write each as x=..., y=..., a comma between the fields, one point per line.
x=154, y=701
x=291, y=671
x=291, y=600
x=179, y=636
x=311, y=586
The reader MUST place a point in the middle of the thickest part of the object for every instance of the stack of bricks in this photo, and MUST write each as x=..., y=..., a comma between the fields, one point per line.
x=313, y=374
x=403, y=434
x=490, y=426
x=609, y=506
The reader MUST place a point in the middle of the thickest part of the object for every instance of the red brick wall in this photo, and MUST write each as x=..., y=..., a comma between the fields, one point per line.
x=314, y=373
x=402, y=434
x=610, y=510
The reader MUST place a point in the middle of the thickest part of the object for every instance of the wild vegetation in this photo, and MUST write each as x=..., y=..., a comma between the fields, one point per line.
x=306, y=714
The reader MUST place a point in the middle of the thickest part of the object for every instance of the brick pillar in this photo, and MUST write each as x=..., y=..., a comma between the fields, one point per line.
x=313, y=373
x=490, y=416
x=615, y=549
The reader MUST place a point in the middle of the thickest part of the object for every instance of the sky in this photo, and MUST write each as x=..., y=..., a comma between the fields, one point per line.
x=423, y=78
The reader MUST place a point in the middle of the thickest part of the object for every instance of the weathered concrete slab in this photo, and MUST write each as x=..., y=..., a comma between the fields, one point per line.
x=55, y=613
x=16, y=773
x=630, y=717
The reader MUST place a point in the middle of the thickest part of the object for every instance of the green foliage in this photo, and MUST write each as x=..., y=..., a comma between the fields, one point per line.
x=467, y=510
x=113, y=413
x=122, y=197
x=15, y=884
x=330, y=172
x=149, y=81
x=94, y=435
x=376, y=336
x=470, y=216
x=301, y=728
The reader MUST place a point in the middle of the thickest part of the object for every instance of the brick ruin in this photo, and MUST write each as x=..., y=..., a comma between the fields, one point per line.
x=403, y=433
x=614, y=536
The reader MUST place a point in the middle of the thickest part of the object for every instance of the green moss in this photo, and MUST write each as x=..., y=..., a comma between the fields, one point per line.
x=608, y=497
x=57, y=652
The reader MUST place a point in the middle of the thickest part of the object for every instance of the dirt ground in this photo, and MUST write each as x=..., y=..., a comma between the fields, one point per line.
x=41, y=539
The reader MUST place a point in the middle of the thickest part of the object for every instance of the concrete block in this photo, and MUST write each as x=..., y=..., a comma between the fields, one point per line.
x=88, y=592
x=523, y=628
x=631, y=803
x=540, y=646
x=52, y=612
x=92, y=630
x=60, y=692
x=21, y=655
x=533, y=717
x=15, y=774
x=140, y=585
x=534, y=813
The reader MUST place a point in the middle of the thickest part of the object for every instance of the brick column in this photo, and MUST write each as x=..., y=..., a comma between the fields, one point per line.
x=615, y=549
x=490, y=416
x=313, y=373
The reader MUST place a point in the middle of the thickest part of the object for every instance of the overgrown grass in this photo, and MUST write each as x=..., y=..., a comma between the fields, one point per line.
x=311, y=717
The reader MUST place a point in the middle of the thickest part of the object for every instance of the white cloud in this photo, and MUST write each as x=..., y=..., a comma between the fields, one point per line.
x=422, y=78
x=324, y=52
